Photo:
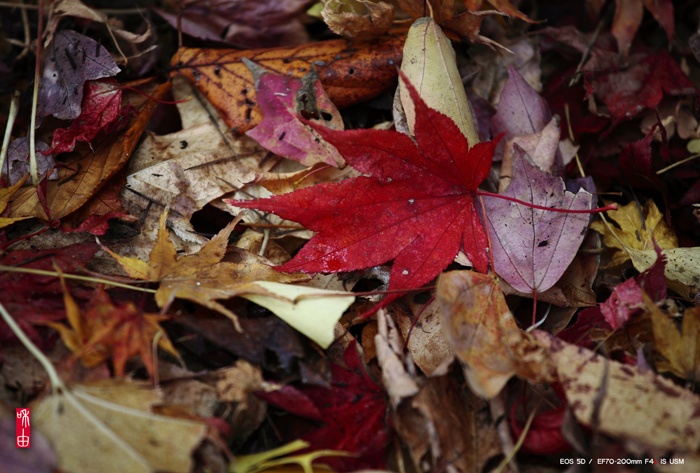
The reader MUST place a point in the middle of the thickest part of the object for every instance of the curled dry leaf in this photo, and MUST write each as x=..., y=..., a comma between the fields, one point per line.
x=202, y=277
x=283, y=100
x=532, y=248
x=108, y=427
x=397, y=381
x=430, y=66
x=349, y=72
x=482, y=332
x=358, y=19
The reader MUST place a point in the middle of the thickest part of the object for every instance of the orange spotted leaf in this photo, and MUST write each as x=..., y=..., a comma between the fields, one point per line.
x=350, y=72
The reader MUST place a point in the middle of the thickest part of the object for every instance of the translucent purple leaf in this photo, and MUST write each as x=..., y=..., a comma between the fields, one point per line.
x=521, y=110
x=71, y=59
x=532, y=248
x=18, y=160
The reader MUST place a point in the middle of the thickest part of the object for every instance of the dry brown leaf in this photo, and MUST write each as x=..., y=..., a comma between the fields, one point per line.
x=358, y=19
x=483, y=334
x=427, y=343
x=397, y=381
x=203, y=277
x=624, y=401
x=445, y=426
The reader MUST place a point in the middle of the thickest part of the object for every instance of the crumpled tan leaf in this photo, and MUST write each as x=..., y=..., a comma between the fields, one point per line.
x=203, y=277
x=358, y=19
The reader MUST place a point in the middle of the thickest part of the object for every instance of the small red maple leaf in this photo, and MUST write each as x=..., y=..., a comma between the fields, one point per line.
x=416, y=207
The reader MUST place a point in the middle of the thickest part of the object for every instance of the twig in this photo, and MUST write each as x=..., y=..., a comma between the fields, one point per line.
x=43, y=272
x=682, y=161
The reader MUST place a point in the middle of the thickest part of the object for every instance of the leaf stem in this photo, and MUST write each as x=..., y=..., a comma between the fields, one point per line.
x=33, y=168
x=33, y=349
x=539, y=207
x=42, y=272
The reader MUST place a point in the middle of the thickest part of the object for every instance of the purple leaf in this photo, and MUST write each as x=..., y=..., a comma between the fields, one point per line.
x=283, y=100
x=245, y=24
x=18, y=160
x=521, y=111
x=71, y=59
x=532, y=248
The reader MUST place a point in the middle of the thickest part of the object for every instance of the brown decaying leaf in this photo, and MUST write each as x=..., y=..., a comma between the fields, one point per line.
x=349, y=72
x=427, y=343
x=680, y=348
x=359, y=19
x=81, y=179
x=482, y=332
x=448, y=427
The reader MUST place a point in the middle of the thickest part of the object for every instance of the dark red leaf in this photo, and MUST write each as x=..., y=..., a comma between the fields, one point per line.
x=100, y=108
x=354, y=410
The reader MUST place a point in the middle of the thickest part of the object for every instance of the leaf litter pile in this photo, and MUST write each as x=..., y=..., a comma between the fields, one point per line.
x=350, y=235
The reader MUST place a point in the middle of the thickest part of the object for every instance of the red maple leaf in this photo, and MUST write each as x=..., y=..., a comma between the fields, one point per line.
x=416, y=206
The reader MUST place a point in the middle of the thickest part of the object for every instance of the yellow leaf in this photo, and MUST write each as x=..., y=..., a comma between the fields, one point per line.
x=108, y=428
x=680, y=349
x=635, y=241
x=315, y=317
x=276, y=461
x=635, y=233
x=429, y=63
x=5, y=195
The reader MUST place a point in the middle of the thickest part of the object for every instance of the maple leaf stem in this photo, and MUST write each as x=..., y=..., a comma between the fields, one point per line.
x=42, y=272
x=539, y=207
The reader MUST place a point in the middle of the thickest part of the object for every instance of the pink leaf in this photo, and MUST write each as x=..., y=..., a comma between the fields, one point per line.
x=532, y=248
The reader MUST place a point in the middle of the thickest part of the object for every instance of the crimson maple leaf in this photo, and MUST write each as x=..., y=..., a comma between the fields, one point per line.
x=416, y=206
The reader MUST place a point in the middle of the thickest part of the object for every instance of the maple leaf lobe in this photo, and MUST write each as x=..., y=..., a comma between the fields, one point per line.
x=416, y=206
